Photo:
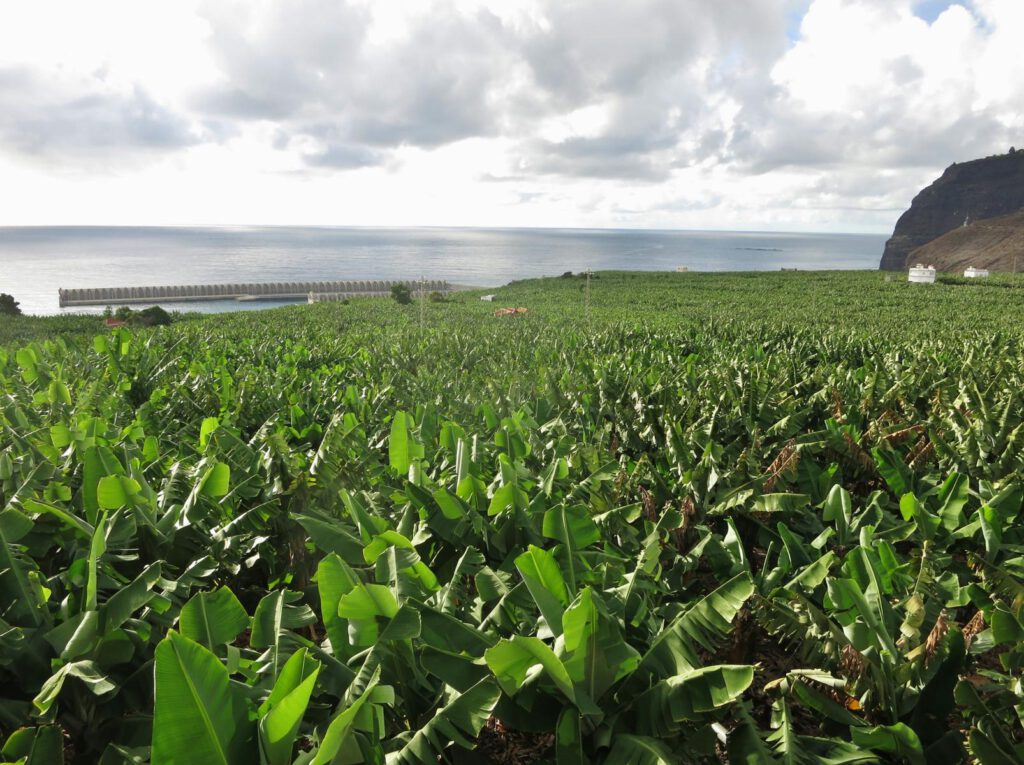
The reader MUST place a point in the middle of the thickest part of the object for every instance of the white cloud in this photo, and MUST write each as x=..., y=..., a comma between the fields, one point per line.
x=675, y=113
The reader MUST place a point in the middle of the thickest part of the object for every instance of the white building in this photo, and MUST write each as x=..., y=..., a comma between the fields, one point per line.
x=976, y=273
x=922, y=274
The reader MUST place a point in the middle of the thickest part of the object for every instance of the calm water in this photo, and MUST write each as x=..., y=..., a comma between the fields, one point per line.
x=35, y=262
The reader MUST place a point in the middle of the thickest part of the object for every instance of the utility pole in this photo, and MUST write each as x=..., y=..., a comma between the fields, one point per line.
x=586, y=298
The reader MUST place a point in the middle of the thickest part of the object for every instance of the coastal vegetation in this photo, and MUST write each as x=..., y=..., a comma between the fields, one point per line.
x=401, y=293
x=663, y=518
x=151, y=316
x=9, y=306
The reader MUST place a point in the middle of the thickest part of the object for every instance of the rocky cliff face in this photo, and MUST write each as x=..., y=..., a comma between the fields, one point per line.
x=993, y=243
x=971, y=191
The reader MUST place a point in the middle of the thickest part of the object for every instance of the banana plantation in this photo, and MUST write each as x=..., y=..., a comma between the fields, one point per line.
x=671, y=518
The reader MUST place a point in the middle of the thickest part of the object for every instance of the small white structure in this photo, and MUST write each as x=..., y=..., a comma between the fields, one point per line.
x=922, y=274
x=682, y=269
x=976, y=273
x=488, y=298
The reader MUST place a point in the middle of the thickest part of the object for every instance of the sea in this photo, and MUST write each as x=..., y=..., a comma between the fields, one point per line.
x=36, y=261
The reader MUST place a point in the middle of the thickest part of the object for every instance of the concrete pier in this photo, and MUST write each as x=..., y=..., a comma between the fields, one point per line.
x=250, y=291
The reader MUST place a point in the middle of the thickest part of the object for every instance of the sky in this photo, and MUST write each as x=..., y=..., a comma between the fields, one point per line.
x=797, y=115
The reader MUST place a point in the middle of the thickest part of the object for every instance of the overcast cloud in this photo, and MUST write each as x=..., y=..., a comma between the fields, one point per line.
x=782, y=114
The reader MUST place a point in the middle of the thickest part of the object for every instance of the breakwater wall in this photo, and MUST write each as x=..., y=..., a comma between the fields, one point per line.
x=250, y=291
x=427, y=287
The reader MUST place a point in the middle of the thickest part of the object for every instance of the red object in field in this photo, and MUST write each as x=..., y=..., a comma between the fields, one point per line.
x=115, y=323
x=509, y=311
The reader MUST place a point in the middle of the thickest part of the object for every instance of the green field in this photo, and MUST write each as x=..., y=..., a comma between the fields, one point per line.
x=674, y=518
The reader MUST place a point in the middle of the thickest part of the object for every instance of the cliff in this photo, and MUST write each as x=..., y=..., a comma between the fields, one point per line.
x=993, y=243
x=969, y=191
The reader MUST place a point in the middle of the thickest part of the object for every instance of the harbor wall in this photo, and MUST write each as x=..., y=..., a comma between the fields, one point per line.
x=241, y=291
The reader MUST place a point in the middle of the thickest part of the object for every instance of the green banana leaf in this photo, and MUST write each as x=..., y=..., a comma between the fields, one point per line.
x=199, y=716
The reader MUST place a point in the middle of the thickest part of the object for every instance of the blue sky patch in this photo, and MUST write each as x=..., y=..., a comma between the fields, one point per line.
x=929, y=10
x=794, y=17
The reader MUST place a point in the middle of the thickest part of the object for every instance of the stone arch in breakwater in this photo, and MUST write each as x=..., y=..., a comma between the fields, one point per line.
x=251, y=291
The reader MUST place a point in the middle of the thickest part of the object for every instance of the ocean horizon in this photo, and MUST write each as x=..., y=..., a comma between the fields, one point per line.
x=36, y=261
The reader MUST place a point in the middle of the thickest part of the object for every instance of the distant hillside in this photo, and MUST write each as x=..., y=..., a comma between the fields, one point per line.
x=991, y=243
x=968, y=191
